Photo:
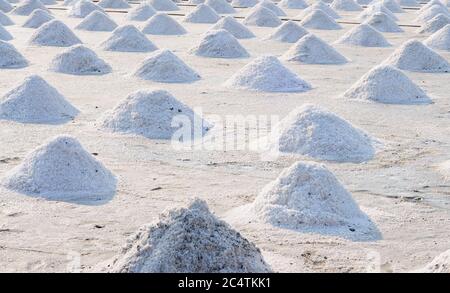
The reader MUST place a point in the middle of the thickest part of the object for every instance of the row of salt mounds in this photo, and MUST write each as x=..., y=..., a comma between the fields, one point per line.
x=293, y=4
x=386, y=84
x=27, y=7
x=319, y=5
x=54, y=33
x=440, y=40
x=440, y=264
x=162, y=24
x=363, y=35
x=244, y=3
x=431, y=12
x=37, y=18
x=271, y=6
x=5, y=6
x=5, y=20
x=238, y=30
x=288, y=32
x=383, y=23
x=35, y=101
x=142, y=12
x=79, y=60
x=435, y=24
x=151, y=114
x=83, y=8
x=116, y=4
x=128, y=38
x=164, y=66
x=267, y=74
x=409, y=3
x=189, y=240
x=376, y=8
x=5, y=35
x=220, y=6
x=307, y=197
x=392, y=5
x=10, y=57
x=97, y=21
x=202, y=14
x=61, y=169
x=415, y=56
x=313, y=50
x=346, y=5
x=219, y=44
x=318, y=19
x=163, y=5
x=261, y=16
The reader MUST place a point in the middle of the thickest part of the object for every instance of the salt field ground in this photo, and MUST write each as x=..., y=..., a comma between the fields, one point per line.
x=403, y=189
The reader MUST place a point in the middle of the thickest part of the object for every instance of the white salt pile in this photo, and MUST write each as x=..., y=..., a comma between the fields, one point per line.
x=383, y=23
x=260, y=16
x=431, y=12
x=202, y=14
x=409, y=3
x=440, y=40
x=61, y=169
x=320, y=5
x=364, y=2
x=196, y=1
x=164, y=66
x=10, y=57
x=415, y=56
x=288, y=32
x=79, y=60
x=219, y=44
x=267, y=74
x=271, y=6
x=83, y=8
x=346, y=5
x=37, y=18
x=230, y=24
x=244, y=3
x=5, y=20
x=392, y=5
x=69, y=2
x=5, y=6
x=293, y=4
x=440, y=264
x=116, y=4
x=386, y=84
x=162, y=24
x=431, y=3
x=435, y=24
x=151, y=114
x=142, y=12
x=54, y=33
x=128, y=38
x=47, y=2
x=376, y=8
x=318, y=19
x=163, y=5
x=363, y=35
x=35, y=101
x=5, y=35
x=220, y=6
x=28, y=6
x=189, y=240
x=97, y=21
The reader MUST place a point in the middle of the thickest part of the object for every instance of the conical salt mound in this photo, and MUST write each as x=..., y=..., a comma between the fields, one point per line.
x=219, y=44
x=202, y=14
x=289, y=32
x=364, y=2
x=429, y=4
x=28, y=6
x=61, y=169
x=383, y=23
x=392, y=5
x=260, y=16
x=5, y=6
x=79, y=60
x=69, y=2
x=37, y=18
x=376, y=8
x=151, y=114
x=189, y=240
x=128, y=38
x=116, y=4
x=244, y=3
x=220, y=6
x=435, y=24
x=440, y=264
x=35, y=101
x=54, y=33
x=164, y=66
x=318, y=19
x=267, y=74
x=440, y=40
x=321, y=6
x=431, y=12
x=97, y=21
x=48, y=2
x=386, y=84
x=163, y=5
x=308, y=197
x=162, y=24
x=238, y=30
x=10, y=57
x=365, y=36
x=141, y=13
x=409, y=3
x=293, y=4
x=272, y=6
x=415, y=56
x=5, y=20
x=83, y=8
x=5, y=35
x=346, y=5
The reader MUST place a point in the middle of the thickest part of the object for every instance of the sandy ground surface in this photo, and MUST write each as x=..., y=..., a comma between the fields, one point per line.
x=401, y=189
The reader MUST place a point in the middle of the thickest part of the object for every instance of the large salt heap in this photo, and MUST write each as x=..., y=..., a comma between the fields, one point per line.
x=376, y=8
x=189, y=240
x=128, y=38
x=440, y=264
x=386, y=84
x=5, y=6
x=37, y=18
x=5, y=35
x=221, y=6
x=409, y=3
x=431, y=12
x=346, y=5
x=293, y=4
x=97, y=21
x=415, y=56
x=5, y=20
x=54, y=33
x=142, y=12
x=10, y=57
x=35, y=101
x=164, y=66
x=163, y=5
x=115, y=4
x=435, y=24
x=383, y=23
x=162, y=24
x=244, y=3
x=267, y=74
x=288, y=32
x=392, y=5
x=312, y=50
x=363, y=35
x=83, y=8
x=79, y=60
x=261, y=16
x=320, y=5
x=202, y=14
x=318, y=19
x=219, y=44
x=151, y=114
x=440, y=40
x=28, y=6
x=61, y=169
x=237, y=29
x=272, y=6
